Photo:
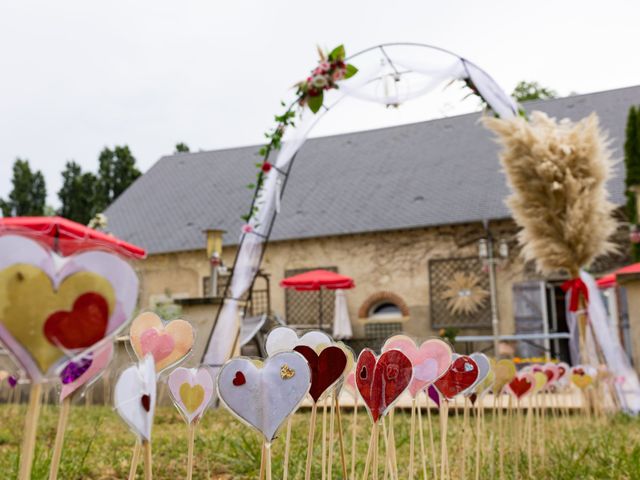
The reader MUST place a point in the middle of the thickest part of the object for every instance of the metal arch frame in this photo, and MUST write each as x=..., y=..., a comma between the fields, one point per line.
x=285, y=173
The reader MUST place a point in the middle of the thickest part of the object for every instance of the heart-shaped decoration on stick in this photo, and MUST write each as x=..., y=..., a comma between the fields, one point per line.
x=285, y=339
x=430, y=360
x=326, y=369
x=168, y=344
x=382, y=380
x=484, y=368
x=263, y=395
x=582, y=376
x=460, y=377
x=505, y=371
x=55, y=308
x=191, y=390
x=135, y=397
x=522, y=384
x=98, y=361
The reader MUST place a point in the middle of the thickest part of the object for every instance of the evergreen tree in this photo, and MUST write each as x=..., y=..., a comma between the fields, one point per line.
x=526, y=91
x=182, y=148
x=116, y=171
x=78, y=194
x=632, y=167
x=29, y=192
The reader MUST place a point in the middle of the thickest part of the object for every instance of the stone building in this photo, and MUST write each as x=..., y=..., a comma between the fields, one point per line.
x=402, y=210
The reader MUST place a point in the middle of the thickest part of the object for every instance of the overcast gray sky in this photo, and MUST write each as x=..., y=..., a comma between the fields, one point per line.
x=80, y=75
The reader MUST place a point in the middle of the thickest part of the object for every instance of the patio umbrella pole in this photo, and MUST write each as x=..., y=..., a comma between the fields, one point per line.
x=320, y=309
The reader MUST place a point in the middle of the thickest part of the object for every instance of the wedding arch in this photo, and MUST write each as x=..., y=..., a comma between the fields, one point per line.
x=390, y=74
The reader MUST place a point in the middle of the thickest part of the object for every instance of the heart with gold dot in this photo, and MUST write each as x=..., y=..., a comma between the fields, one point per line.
x=54, y=308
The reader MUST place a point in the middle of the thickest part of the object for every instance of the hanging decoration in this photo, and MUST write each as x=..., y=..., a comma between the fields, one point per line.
x=463, y=294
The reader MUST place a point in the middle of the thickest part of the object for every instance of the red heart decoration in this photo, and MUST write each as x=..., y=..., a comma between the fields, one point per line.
x=522, y=384
x=239, y=379
x=550, y=374
x=381, y=381
x=326, y=368
x=146, y=402
x=462, y=374
x=83, y=326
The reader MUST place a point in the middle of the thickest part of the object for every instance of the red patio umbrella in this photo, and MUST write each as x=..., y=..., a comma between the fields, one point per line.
x=67, y=237
x=316, y=280
x=610, y=280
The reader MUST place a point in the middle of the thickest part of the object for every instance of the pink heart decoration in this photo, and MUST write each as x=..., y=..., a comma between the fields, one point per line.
x=99, y=361
x=430, y=360
x=158, y=345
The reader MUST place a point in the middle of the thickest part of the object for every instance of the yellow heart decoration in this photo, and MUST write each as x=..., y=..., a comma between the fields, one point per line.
x=191, y=397
x=27, y=299
x=581, y=381
x=505, y=371
x=541, y=381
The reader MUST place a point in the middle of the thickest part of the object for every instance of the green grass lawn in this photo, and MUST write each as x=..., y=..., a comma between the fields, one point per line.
x=98, y=446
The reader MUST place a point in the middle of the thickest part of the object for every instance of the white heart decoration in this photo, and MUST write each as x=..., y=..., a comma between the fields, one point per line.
x=263, y=395
x=285, y=339
x=134, y=386
x=484, y=367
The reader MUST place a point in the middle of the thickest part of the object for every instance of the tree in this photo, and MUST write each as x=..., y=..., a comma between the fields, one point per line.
x=632, y=167
x=29, y=192
x=526, y=91
x=78, y=194
x=182, y=148
x=116, y=171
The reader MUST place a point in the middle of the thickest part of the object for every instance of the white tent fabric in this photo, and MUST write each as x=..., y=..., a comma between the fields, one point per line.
x=428, y=66
x=628, y=388
x=341, y=322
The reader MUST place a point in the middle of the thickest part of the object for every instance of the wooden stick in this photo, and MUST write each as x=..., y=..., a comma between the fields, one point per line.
x=434, y=462
x=412, y=434
x=392, y=444
x=444, y=417
x=517, y=435
x=478, y=424
x=354, y=429
x=375, y=452
x=268, y=460
x=63, y=417
x=263, y=461
x=324, y=438
x=465, y=435
x=343, y=459
x=332, y=419
x=387, y=457
x=30, y=431
x=191, y=442
x=312, y=431
x=287, y=447
x=135, y=459
x=367, y=464
x=501, y=444
x=148, y=465
x=529, y=434
x=423, y=454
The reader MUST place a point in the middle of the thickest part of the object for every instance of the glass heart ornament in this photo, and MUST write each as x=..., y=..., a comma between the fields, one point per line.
x=459, y=379
x=134, y=397
x=82, y=301
x=285, y=339
x=168, y=343
x=381, y=380
x=430, y=360
x=191, y=390
x=263, y=394
x=327, y=368
x=85, y=371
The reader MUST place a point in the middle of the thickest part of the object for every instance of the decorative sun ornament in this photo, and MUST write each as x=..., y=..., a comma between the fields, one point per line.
x=463, y=294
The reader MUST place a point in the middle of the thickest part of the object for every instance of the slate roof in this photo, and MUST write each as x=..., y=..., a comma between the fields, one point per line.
x=438, y=172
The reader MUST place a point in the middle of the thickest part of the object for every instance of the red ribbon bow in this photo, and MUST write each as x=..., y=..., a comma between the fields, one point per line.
x=575, y=288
